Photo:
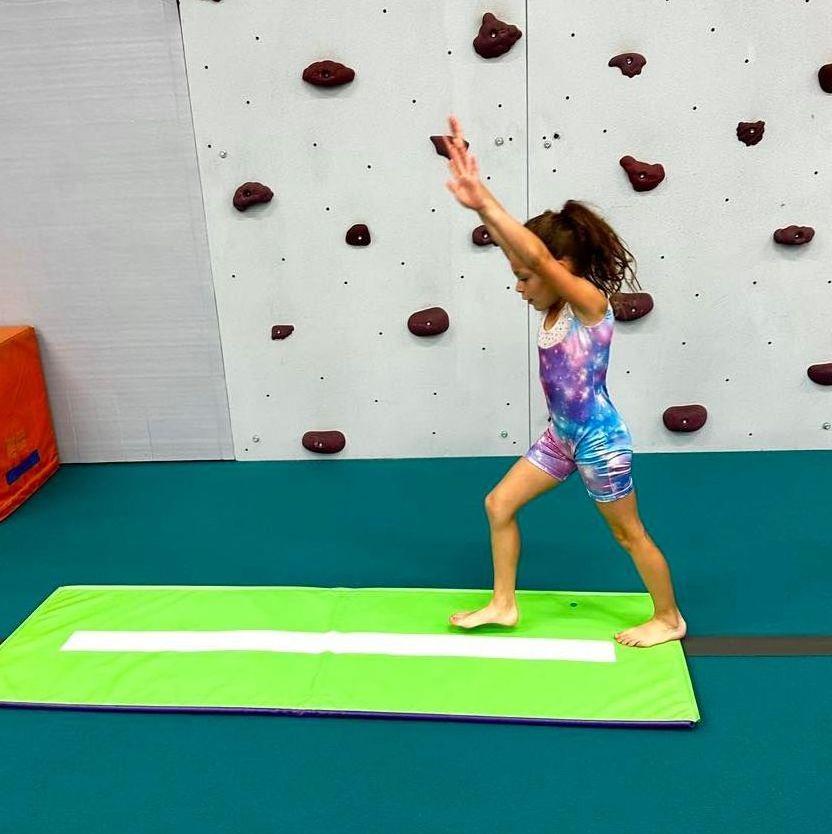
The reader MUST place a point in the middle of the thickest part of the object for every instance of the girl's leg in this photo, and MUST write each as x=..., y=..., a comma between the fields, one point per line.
x=523, y=482
x=667, y=622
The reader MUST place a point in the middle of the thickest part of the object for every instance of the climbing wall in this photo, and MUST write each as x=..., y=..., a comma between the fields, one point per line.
x=363, y=313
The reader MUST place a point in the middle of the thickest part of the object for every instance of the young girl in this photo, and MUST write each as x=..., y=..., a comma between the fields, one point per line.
x=567, y=264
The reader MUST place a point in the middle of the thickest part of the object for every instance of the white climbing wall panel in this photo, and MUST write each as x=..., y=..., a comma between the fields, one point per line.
x=737, y=318
x=359, y=153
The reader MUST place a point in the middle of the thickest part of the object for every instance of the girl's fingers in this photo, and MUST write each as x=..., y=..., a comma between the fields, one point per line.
x=456, y=153
x=463, y=168
x=456, y=130
x=461, y=163
x=453, y=151
x=453, y=162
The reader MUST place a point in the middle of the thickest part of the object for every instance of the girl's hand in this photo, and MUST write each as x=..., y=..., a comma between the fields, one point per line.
x=465, y=185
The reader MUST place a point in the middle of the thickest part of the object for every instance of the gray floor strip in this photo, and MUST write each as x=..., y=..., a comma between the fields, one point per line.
x=759, y=646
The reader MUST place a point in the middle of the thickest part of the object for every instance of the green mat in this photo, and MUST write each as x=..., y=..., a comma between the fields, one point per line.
x=381, y=652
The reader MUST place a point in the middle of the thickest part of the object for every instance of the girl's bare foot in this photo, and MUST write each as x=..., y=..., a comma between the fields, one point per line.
x=490, y=614
x=653, y=632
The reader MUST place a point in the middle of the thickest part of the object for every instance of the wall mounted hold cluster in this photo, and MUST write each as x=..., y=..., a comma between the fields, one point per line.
x=750, y=132
x=495, y=37
x=794, y=235
x=685, y=418
x=642, y=175
x=282, y=331
x=630, y=63
x=822, y=374
x=358, y=235
x=430, y=322
x=328, y=74
x=251, y=194
x=629, y=306
x=324, y=442
x=481, y=236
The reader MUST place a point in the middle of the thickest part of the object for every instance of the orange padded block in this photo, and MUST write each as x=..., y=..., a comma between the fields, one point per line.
x=28, y=451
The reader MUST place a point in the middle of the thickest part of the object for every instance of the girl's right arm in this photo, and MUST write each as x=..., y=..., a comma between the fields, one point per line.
x=500, y=242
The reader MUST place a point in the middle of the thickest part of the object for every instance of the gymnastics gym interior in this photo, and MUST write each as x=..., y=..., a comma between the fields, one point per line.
x=259, y=370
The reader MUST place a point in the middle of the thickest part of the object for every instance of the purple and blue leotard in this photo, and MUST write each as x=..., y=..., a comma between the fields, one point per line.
x=586, y=432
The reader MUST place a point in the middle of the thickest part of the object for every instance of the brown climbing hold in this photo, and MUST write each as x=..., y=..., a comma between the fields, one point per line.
x=643, y=177
x=630, y=63
x=685, y=418
x=282, y=331
x=250, y=194
x=750, y=132
x=324, y=442
x=327, y=74
x=481, y=236
x=495, y=37
x=430, y=322
x=822, y=374
x=825, y=78
x=794, y=235
x=439, y=144
x=358, y=235
x=629, y=306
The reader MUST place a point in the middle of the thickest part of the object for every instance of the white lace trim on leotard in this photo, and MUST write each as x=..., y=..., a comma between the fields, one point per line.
x=548, y=338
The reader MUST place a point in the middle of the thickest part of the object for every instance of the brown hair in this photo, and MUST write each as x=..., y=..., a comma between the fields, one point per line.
x=596, y=251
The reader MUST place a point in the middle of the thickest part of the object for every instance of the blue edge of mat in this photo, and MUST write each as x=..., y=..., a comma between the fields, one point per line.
x=482, y=719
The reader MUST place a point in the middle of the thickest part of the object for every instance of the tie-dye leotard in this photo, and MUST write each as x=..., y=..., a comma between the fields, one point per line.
x=586, y=431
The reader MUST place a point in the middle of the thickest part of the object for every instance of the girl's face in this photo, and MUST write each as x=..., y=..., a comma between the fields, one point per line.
x=533, y=289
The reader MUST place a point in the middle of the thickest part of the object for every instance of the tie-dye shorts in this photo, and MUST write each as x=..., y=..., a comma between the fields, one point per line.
x=605, y=467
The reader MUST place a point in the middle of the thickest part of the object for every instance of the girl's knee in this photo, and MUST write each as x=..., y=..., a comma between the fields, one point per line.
x=498, y=509
x=629, y=537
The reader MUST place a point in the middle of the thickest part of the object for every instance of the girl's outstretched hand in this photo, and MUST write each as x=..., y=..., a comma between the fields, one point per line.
x=465, y=185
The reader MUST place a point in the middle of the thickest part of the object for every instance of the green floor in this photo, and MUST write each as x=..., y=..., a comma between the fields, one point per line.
x=749, y=546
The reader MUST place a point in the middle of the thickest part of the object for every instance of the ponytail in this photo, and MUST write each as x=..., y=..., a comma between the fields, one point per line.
x=598, y=254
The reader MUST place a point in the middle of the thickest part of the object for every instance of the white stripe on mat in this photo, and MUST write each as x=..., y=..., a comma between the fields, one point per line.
x=314, y=642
